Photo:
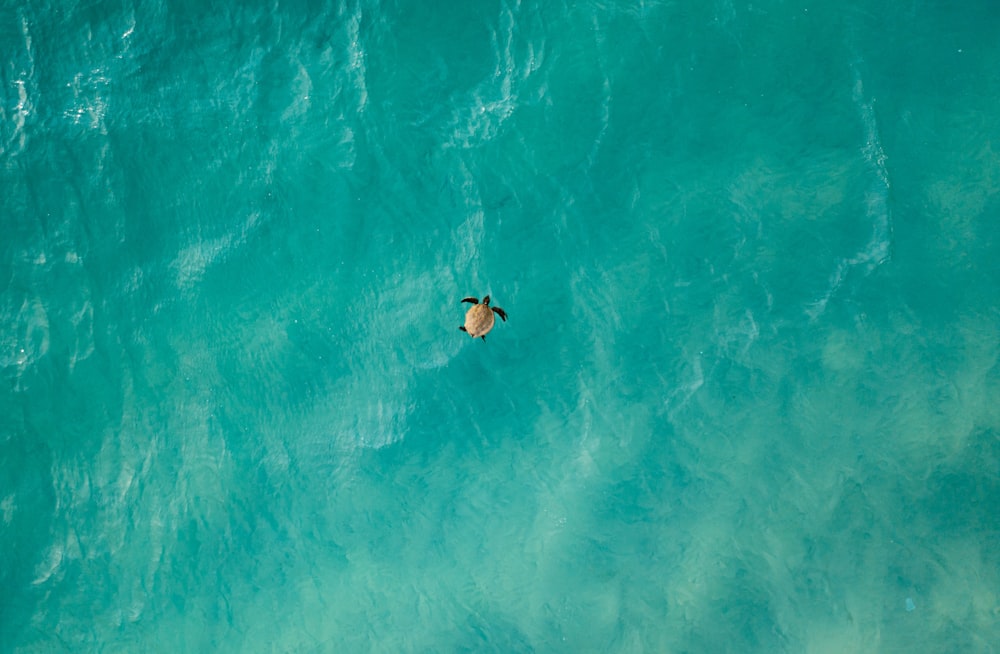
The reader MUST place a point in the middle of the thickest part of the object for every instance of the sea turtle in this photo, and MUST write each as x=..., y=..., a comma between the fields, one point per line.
x=479, y=318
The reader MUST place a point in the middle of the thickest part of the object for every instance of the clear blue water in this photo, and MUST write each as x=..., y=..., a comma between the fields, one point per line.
x=745, y=401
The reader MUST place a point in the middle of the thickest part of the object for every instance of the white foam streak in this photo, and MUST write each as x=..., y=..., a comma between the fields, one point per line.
x=83, y=323
x=877, y=197
x=7, y=508
x=49, y=566
x=90, y=107
x=21, y=111
x=302, y=88
x=493, y=103
x=92, y=87
x=877, y=250
x=605, y=117
x=681, y=395
x=356, y=56
x=126, y=35
x=24, y=108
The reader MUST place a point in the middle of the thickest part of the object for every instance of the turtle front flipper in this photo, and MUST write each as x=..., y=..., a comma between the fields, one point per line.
x=472, y=300
x=500, y=312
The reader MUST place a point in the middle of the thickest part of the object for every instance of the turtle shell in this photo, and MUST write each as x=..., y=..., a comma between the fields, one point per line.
x=479, y=320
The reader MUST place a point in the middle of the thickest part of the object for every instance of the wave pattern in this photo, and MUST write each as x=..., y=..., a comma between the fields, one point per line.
x=727, y=412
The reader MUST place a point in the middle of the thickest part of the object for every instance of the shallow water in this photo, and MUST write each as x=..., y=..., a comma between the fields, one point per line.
x=744, y=400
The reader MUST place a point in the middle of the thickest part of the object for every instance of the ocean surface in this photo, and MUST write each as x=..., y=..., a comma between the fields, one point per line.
x=747, y=398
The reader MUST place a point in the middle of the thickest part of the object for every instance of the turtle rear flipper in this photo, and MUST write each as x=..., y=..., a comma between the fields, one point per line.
x=500, y=312
x=462, y=327
x=472, y=300
x=483, y=337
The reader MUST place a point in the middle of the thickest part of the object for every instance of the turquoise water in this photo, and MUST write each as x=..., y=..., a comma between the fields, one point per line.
x=745, y=400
